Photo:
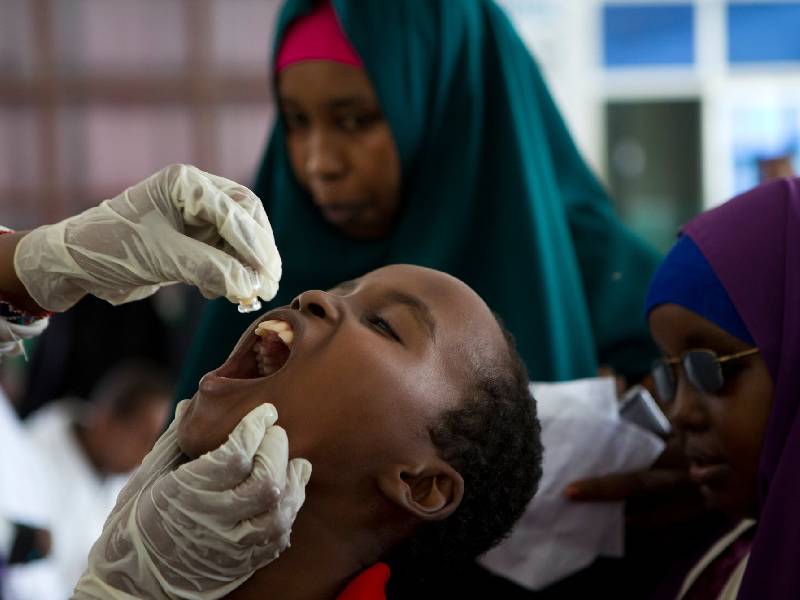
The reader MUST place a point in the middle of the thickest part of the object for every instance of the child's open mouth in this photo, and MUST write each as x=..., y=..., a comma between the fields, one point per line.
x=272, y=350
x=264, y=355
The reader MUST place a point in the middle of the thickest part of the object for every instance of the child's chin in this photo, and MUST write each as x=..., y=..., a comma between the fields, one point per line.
x=194, y=440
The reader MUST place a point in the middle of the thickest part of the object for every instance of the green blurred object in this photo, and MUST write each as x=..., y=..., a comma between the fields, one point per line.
x=495, y=193
x=655, y=163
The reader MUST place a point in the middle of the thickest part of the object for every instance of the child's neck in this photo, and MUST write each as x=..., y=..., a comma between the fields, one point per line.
x=320, y=562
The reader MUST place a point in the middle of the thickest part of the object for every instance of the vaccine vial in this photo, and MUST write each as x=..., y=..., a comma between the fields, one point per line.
x=251, y=305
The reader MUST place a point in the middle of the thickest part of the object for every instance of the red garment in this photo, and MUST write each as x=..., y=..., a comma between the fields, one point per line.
x=370, y=584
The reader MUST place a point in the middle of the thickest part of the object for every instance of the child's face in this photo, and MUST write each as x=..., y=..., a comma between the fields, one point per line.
x=722, y=432
x=373, y=364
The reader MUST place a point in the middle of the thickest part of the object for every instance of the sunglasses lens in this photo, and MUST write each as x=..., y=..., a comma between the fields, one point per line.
x=664, y=378
x=703, y=370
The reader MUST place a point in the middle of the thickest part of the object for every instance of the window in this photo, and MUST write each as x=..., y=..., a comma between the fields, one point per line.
x=764, y=32
x=648, y=34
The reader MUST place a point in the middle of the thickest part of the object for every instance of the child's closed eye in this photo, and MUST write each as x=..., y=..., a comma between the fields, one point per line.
x=383, y=327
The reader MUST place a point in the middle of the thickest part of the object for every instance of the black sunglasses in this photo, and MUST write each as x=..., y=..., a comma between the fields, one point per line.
x=703, y=369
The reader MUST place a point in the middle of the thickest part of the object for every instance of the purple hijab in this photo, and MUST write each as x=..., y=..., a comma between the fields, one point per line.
x=753, y=244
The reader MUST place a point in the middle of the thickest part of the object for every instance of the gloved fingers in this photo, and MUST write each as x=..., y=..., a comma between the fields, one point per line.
x=292, y=498
x=255, y=245
x=271, y=458
x=230, y=464
x=300, y=470
x=162, y=458
x=294, y=494
x=242, y=235
x=261, y=492
x=264, y=487
x=266, y=251
x=180, y=410
x=238, y=218
x=273, y=527
x=241, y=195
x=245, y=199
x=212, y=195
x=212, y=271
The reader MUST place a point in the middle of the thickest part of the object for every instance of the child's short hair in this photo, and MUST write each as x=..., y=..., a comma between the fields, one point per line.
x=494, y=441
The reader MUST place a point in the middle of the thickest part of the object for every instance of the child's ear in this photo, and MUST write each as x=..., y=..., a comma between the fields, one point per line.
x=430, y=492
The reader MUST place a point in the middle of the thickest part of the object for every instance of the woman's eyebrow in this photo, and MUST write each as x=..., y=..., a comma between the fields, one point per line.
x=421, y=311
x=347, y=102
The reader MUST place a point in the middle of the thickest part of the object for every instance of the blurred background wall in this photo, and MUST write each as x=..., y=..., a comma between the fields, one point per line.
x=677, y=105
x=97, y=94
x=673, y=103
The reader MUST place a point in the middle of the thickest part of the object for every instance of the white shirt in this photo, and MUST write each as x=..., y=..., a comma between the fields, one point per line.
x=80, y=498
x=23, y=499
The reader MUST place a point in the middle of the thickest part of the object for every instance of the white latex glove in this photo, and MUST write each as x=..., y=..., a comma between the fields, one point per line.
x=200, y=530
x=11, y=336
x=179, y=225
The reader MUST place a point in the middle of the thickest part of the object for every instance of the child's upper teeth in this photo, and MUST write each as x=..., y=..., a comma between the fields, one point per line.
x=282, y=328
x=274, y=325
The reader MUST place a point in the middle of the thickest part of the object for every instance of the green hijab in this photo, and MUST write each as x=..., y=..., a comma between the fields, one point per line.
x=495, y=193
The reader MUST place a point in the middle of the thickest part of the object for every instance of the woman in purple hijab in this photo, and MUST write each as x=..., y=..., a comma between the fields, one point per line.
x=725, y=309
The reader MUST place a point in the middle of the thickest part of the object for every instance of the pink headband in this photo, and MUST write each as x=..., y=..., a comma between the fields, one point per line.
x=316, y=36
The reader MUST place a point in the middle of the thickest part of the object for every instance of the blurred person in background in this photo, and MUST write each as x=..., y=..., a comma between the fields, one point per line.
x=89, y=449
x=81, y=345
x=723, y=308
x=25, y=538
x=775, y=167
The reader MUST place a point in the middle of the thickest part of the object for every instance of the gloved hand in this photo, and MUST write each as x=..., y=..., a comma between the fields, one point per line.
x=198, y=530
x=12, y=334
x=181, y=224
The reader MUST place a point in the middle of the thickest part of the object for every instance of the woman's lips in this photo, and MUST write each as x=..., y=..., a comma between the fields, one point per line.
x=342, y=214
x=707, y=474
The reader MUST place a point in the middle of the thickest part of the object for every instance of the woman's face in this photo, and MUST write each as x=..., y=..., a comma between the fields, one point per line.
x=722, y=432
x=340, y=146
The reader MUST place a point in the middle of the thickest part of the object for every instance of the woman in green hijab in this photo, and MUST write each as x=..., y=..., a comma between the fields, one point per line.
x=422, y=132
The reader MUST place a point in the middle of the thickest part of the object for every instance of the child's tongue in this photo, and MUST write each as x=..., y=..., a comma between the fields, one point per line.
x=272, y=353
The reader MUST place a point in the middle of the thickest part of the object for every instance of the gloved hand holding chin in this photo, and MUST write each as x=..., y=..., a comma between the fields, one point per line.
x=199, y=529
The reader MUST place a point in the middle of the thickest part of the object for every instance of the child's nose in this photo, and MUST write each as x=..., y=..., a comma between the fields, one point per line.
x=318, y=304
